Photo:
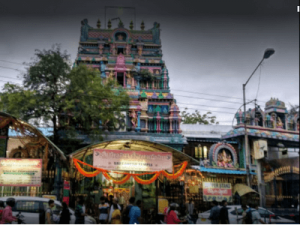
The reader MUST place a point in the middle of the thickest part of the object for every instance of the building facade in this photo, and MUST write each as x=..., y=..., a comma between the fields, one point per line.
x=273, y=135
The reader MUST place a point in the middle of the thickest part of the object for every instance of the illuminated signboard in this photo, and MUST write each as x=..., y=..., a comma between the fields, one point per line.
x=217, y=191
x=20, y=172
x=132, y=160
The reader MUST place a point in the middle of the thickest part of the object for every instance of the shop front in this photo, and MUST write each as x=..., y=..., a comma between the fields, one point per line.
x=30, y=164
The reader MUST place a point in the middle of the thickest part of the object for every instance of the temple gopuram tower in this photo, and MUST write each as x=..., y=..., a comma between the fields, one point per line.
x=134, y=59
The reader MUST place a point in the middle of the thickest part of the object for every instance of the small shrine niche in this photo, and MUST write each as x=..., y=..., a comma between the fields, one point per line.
x=223, y=155
x=120, y=36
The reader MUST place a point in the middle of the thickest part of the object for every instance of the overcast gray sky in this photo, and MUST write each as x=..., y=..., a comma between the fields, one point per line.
x=209, y=47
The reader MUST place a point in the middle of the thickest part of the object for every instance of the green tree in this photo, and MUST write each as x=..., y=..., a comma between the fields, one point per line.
x=70, y=98
x=196, y=117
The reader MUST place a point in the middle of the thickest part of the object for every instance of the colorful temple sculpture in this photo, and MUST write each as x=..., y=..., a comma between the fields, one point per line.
x=273, y=135
x=133, y=58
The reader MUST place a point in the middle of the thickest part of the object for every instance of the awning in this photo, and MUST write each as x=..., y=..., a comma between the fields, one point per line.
x=242, y=189
x=222, y=171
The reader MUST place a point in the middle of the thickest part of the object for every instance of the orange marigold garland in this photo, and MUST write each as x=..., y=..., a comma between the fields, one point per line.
x=128, y=175
x=178, y=173
x=145, y=182
x=121, y=181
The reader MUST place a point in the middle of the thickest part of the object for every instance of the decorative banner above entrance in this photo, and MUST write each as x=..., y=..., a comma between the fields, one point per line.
x=119, y=160
x=20, y=172
x=217, y=191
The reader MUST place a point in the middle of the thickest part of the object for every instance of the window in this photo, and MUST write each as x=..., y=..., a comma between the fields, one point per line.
x=27, y=206
x=201, y=152
x=264, y=213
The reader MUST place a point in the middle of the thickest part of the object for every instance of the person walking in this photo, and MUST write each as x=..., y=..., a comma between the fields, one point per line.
x=224, y=213
x=214, y=213
x=172, y=217
x=49, y=213
x=7, y=216
x=116, y=215
x=79, y=213
x=135, y=213
x=65, y=214
x=125, y=214
x=112, y=209
x=103, y=210
x=1, y=209
x=256, y=218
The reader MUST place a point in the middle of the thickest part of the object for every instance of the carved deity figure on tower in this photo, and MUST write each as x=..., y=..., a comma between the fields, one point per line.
x=133, y=116
x=279, y=123
x=102, y=69
x=84, y=30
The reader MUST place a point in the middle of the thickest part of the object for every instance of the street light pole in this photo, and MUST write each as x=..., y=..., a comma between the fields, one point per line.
x=267, y=54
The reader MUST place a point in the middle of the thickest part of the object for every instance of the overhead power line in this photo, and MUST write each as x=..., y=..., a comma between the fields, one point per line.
x=12, y=62
x=11, y=78
x=223, y=96
x=216, y=100
x=206, y=105
x=9, y=68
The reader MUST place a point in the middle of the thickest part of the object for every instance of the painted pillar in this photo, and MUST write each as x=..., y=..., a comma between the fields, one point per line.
x=124, y=79
x=138, y=128
x=147, y=85
x=153, y=85
x=58, y=182
x=146, y=125
x=171, y=130
x=260, y=184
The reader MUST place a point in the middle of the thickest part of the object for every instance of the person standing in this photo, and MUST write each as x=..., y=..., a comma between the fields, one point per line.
x=256, y=218
x=79, y=213
x=116, y=215
x=172, y=217
x=190, y=207
x=214, y=213
x=224, y=213
x=7, y=216
x=121, y=201
x=125, y=216
x=49, y=213
x=104, y=211
x=65, y=214
x=112, y=209
x=135, y=213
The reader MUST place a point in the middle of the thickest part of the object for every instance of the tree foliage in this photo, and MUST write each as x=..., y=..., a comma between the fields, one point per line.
x=197, y=118
x=71, y=99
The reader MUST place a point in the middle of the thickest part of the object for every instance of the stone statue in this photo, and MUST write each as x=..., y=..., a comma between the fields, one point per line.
x=156, y=33
x=138, y=67
x=84, y=30
x=102, y=69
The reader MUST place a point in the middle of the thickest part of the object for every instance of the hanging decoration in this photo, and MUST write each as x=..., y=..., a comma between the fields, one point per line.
x=127, y=175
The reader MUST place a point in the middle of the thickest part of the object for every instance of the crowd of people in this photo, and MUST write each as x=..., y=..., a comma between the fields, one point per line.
x=250, y=215
x=109, y=211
